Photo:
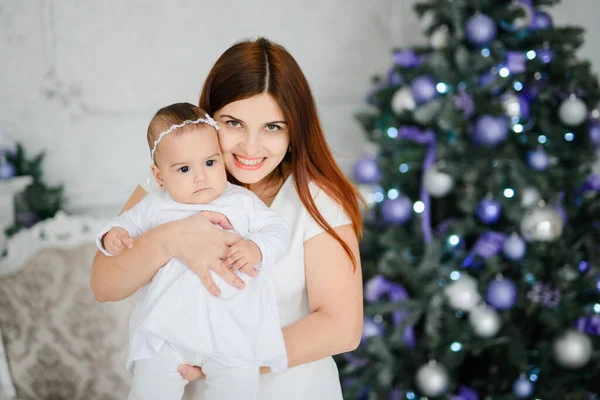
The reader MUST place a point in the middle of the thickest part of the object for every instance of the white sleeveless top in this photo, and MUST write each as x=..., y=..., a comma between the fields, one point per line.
x=318, y=379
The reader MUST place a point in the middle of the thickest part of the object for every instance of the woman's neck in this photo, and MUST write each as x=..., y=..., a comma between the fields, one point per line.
x=267, y=189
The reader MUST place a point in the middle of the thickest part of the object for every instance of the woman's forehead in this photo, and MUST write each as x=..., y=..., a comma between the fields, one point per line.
x=260, y=108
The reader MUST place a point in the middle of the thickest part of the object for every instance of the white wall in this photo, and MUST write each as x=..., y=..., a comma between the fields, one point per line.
x=81, y=78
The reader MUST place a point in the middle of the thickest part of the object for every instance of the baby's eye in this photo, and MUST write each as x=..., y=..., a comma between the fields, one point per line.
x=211, y=163
x=184, y=169
x=234, y=124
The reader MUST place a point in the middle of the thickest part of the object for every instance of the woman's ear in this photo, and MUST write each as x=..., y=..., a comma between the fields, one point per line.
x=157, y=175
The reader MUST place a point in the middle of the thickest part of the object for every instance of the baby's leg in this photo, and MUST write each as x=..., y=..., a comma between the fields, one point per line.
x=224, y=382
x=157, y=378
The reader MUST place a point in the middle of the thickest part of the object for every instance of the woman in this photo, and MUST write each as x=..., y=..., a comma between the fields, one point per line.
x=273, y=144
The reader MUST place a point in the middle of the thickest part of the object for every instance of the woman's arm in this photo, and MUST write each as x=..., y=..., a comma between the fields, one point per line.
x=335, y=299
x=118, y=277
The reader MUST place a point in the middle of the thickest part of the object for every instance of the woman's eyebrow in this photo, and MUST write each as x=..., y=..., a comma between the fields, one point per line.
x=237, y=119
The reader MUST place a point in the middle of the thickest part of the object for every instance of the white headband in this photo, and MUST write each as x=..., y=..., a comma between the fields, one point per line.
x=207, y=120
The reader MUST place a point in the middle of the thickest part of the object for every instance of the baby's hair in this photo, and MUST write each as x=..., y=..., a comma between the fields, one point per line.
x=168, y=116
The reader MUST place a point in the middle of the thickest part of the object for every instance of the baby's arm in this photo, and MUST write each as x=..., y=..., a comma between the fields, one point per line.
x=117, y=235
x=269, y=234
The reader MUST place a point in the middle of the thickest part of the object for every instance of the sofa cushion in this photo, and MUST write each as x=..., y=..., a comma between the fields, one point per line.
x=60, y=343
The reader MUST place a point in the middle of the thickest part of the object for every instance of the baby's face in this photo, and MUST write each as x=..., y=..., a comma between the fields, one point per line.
x=190, y=165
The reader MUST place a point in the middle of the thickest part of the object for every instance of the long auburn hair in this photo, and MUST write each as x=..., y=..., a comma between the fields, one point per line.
x=251, y=68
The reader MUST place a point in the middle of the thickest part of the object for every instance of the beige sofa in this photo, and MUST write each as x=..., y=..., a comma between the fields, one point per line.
x=59, y=343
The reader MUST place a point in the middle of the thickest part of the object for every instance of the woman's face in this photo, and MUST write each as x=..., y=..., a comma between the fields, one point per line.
x=254, y=137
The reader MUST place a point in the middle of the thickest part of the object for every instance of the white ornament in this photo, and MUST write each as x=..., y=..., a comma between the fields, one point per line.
x=462, y=294
x=572, y=111
x=439, y=38
x=530, y=197
x=573, y=349
x=403, y=101
x=514, y=247
x=432, y=379
x=542, y=224
x=484, y=321
x=511, y=105
x=427, y=20
x=437, y=183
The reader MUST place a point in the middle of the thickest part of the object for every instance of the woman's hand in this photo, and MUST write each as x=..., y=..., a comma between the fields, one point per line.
x=202, y=247
x=192, y=373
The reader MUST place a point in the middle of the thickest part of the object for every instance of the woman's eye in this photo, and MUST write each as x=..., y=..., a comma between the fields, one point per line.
x=234, y=124
x=210, y=163
x=184, y=169
x=272, y=128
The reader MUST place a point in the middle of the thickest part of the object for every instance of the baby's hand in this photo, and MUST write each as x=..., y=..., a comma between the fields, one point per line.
x=116, y=240
x=244, y=252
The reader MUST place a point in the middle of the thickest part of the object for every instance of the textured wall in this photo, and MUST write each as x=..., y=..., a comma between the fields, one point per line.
x=82, y=78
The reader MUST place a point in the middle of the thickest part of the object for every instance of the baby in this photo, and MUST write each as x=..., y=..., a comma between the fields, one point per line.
x=177, y=321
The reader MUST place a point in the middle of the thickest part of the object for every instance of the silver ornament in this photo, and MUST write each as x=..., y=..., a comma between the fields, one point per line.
x=542, y=224
x=522, y=22
x=432, y=379
x=573, y=349
x=439, y=38
x=462, y=294
x=511, y=105
x=403, y=101
x=530, y=196
x=437, y=183
x=572, y=111
x=484, y=321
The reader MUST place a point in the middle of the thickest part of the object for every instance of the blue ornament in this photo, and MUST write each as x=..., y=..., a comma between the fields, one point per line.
x=406, y=58
x=522, y=388
x=394, y=78
x=423, y=89
x=515, y=62
x=538, y=160
x=594, y=132
x=545, y=55
x=466, y=393
x=371, y=328
x=7, y=170
x=490, y=130
x=489, y=211
x=366, y=171
x=481, y=30
x=541, y=20
x=514, y=247
x=396, y=211
x=501, y=293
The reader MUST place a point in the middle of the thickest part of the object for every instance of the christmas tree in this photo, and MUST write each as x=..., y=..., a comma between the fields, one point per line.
x=480, y=254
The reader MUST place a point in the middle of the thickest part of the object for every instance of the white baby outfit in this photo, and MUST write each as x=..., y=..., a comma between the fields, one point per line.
x=178, y=321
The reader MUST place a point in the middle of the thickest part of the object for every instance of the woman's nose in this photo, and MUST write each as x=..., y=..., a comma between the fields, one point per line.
x=250, y=144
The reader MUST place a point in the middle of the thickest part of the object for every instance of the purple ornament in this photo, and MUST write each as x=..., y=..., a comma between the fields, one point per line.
x=489, y=211
x=7, y=170
x=406, y=58
x=377, y=287
x=396, y=211
x=490, y=130
x=481, y=30
x=540, y=20
x=423, y=89
x=489, y=244
x=464, y=102
x=394, y=78
x=515, y=62
x=538, y=160
x=522, y=388
x=466, y=393
x=545, y=55
x=544, y=294
x=589, y=325
x=366, y=171
x=501, y=293
x=594, y=132
x=371, y=328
